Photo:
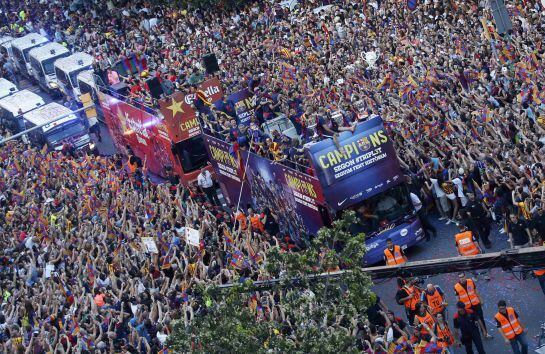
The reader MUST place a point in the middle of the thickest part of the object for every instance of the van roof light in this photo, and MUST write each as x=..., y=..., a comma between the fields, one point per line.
x=80, y=62
x=33, y=41
x=52, y=51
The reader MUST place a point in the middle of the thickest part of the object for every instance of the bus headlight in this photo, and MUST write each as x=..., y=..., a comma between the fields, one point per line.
x=53, y=85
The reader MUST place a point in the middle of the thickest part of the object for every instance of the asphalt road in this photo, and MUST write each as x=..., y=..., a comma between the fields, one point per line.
x=524, y=295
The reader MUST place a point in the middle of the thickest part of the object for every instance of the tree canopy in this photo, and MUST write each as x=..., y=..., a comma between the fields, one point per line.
x=298, y=314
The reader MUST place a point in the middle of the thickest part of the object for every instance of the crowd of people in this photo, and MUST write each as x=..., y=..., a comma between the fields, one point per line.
x=463, y=104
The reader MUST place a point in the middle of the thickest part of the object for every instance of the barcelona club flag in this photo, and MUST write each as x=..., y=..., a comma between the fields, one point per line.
x=412, y=4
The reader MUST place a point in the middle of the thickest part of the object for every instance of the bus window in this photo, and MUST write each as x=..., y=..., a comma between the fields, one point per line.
x=192, y=153
x=48, y=65
x=383, y=210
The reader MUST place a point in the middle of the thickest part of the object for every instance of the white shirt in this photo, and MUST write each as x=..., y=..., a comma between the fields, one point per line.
x=458, y=183
x=437, y=189
x=205, y=179
x=416, y=202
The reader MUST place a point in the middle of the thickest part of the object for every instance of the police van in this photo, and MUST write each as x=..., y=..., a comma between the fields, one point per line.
x=14, y=106
x=42, y=61
x=56, y=132
x=86, y=84
x=20, y=48
x=67, y=70
x=7, y=88
x=5, y=45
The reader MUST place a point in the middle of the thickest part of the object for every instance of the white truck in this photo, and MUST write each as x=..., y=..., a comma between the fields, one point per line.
x=56, y=132
x=42, y=60
x=7, y=88
x=13, y=107
x=67, y=70
x=20, y=48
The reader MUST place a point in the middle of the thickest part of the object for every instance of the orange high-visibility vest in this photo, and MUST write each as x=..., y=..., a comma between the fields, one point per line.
x=411, y=303
x=539, y=272
x=394, y=258
x=427, y=319
x=468, y=297
x=256, y=223
x=435, y=301
x=444, y=336
x=241, y=218
x=465, y=244
x=510, y=325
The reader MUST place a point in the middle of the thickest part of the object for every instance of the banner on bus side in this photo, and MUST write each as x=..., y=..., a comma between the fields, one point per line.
x=363, y=164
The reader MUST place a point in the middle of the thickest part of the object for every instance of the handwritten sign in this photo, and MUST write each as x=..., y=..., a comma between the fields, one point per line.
x=149, y=244
x=192, y=236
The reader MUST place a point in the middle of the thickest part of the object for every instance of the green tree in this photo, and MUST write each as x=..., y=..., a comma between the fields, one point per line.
x=321, y=312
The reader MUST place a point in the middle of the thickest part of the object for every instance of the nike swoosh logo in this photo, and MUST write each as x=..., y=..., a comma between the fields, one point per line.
x=341, y=203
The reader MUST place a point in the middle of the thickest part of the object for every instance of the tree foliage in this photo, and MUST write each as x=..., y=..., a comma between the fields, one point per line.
x=320, y=315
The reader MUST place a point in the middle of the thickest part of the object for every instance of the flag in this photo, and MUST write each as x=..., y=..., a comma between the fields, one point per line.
x=485, y=28
x=412, y=81
x=285, y=52
x=227, y=237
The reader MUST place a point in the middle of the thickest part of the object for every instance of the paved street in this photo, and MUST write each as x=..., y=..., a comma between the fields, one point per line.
x=524, y=295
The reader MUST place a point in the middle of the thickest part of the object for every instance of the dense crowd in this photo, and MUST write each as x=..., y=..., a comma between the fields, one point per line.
x=463, y=104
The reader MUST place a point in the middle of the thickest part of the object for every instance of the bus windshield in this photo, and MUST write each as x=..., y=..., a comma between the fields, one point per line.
x=383, y=210
x=48, y=65
x=192, y=153
x=70, y=129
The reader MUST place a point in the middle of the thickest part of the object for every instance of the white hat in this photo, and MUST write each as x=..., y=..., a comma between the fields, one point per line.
x=461, y=171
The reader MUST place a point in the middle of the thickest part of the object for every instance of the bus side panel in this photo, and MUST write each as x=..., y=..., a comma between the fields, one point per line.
x=140, y=130
x=293, y=195
x=405, y=235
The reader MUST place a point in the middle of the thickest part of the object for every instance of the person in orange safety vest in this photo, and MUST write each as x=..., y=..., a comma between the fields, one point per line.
x=466, y=291
x=255, y=221
x=510, y=328
x=434, y=297
x=423, y=317
x=466, y=243
x=393, y=254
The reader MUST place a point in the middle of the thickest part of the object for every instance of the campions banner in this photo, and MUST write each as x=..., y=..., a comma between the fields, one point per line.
x=292, y=195
x=244, y=108
x=364, y=164
x=228, y=170
x=142, y=131
x=180, y=117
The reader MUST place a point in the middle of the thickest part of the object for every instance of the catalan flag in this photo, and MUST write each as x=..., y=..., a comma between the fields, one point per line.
x=285, y=52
